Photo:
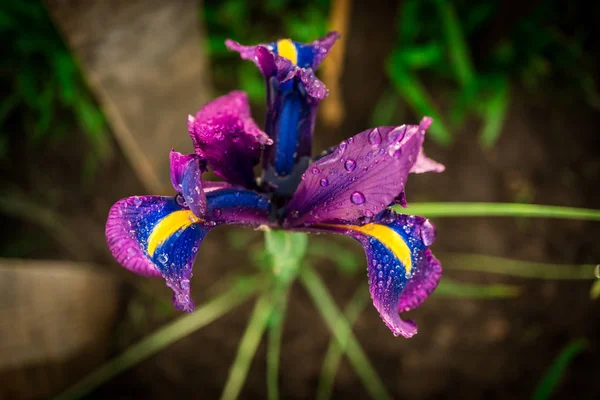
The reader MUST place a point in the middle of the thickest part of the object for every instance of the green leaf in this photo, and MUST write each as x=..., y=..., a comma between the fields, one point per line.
x=595, y=290
x=460, y=58
x=335, y=351
x=247, y=348
x=558, y=368
x=162, y=338
x=342, y=332
x=494, y=113
x=419, y=57
x=408, y=86
x=346, y=261
x=409, y=24
x=522, y=269
x=452, y=288
x=499, y=210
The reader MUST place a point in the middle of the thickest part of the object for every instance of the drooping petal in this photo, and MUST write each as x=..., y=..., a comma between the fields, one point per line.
x=186, y=177
x=155, y=236
x=293, y=95
x=357, y=180
x=224, y=133
x=402, y=270
x=159, y=236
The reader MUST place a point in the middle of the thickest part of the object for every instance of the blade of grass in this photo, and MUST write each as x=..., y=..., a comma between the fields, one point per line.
x=499, y=210
x=457, y=45
x=409, y=86
x=523, y=269
x=340, y=328
x=452, y=288
x=558, y=368
x=274, y=342
x=162, y=338
x=254, y=331
x=336, y=350
x=494, y=113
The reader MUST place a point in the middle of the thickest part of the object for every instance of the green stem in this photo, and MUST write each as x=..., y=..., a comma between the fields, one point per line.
x=498, y=210
x=247, y=349
x=162, y=338
x=274, y=342
x=340, y=328
x=523, y=269
x=557, y=369
x=336, y=350
x=450, y=288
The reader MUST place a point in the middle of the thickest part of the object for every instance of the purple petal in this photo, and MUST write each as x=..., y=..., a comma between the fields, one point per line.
x=155, y=236
x=225, y=134
x=359, y=179
x=186, y=176
x=402, y=271
x=425, y=164
x=306, y=55
x=158, y=236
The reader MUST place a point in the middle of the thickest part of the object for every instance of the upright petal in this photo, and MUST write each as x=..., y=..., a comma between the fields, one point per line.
x=186, y=177
x=293, y=95
x=159, y=236
x=225, y=134
x=357, y=180
x=402, y=271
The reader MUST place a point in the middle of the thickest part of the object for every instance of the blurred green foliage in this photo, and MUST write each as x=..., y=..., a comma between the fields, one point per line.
x=473, y=54
x=44, y=93
x=234, y=19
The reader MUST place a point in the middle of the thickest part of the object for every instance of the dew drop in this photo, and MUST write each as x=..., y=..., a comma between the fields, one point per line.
x=350, y=165
x=162, y=258
x=357, y=198
x=342, y=147
x=137, y=201
x=217, y=212
x=324, y=182
x=185, y=284
x=375, y=137
x=315, y=170
x=427, y=233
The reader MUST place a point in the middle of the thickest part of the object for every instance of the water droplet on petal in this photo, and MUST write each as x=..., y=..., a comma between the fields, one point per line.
x=162, y=258
x=342, y=147
x=217, y=212
x=427, y=233
x=375, y=137
x=185, y=284
x=324, y=182
x=350, y=165
x=315, y=170
x=350, y=141
x=357, y=198
x=137, y=201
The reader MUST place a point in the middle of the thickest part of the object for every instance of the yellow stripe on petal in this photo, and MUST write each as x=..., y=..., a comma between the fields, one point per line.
x=168, y=226
x=287, y=49
x=388, y=237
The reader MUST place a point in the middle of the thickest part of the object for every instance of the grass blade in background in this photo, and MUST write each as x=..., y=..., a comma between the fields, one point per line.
x=247, y=349
x=430, y=210
x=522, y=269
x=413, y=92
x=493, y=112
x=274, y=342
x=335, y=351
x=558, y=368
x=162, y=338
x=452, y=288
x=341, y=330
x=459, y=51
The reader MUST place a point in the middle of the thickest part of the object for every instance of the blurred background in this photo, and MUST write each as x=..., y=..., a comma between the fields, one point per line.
x=96, y=93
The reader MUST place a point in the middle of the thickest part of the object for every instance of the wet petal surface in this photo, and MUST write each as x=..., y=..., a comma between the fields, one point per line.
x=402, y=270
x=359, y=179
x=224, y=133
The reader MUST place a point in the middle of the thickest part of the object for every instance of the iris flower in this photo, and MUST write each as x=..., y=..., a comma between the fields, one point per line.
x=348, y=190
